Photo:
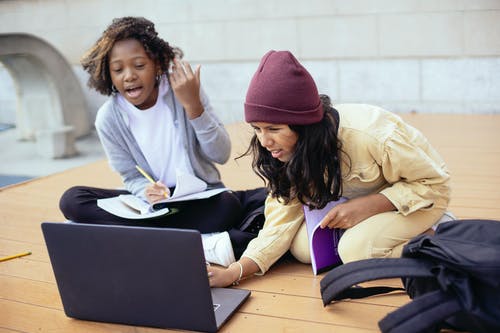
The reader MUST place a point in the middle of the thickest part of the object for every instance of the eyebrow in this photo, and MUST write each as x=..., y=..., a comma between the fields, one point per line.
x=140, y=57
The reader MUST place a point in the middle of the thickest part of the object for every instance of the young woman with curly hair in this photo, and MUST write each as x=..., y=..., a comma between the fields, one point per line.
x=158, y=118
x=311, y=152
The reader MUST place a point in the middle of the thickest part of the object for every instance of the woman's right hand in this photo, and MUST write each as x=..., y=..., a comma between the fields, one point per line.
x=156, y=192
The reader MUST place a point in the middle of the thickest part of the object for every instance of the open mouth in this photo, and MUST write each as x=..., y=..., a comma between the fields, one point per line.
x=133, y=92
x=276, y=153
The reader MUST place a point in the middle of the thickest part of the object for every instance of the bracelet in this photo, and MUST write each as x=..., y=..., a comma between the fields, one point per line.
x=237, y=282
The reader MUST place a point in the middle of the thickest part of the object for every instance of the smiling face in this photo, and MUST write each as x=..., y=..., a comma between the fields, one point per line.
x=133, y=73
x=278, y=139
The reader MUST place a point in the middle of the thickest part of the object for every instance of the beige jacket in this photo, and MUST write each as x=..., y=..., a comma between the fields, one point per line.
x=387, y=156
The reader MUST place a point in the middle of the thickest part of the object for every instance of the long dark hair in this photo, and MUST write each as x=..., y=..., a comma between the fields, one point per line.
x=95, y=61
x=313, y=174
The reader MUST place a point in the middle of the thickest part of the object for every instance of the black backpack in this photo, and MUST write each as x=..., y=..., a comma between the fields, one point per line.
x=453, y=278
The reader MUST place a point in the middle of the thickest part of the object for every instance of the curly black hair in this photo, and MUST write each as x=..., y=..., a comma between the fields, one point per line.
x=95, y=60
x=313, y=174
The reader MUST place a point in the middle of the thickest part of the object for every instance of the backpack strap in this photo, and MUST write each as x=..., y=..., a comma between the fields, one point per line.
x=338, y=283
x=422, y=314
x=356, y=292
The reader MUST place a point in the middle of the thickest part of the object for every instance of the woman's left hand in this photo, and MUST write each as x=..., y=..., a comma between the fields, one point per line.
x=186, y=86
x=349, y=213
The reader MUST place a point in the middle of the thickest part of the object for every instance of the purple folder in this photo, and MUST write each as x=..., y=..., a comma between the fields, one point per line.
x=322, y=242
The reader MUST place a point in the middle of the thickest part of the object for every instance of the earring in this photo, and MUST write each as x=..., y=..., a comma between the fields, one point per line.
x=113, y=89
x=158, y=77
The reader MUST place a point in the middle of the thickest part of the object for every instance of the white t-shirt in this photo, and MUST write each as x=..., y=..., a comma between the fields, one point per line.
x=156, y=133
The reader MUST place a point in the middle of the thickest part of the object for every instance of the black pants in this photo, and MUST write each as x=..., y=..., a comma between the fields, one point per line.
x=223, y=212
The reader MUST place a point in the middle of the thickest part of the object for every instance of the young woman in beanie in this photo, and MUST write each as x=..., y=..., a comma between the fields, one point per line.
x=311, y=152
x=158, y=118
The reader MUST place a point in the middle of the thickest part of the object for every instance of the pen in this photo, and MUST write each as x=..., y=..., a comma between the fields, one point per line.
x=148, y=177
x=15, y=256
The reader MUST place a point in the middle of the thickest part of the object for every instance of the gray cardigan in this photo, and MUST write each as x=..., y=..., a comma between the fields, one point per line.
x=205, y=139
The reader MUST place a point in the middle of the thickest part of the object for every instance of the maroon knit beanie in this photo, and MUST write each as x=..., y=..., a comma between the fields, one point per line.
x=282, y=92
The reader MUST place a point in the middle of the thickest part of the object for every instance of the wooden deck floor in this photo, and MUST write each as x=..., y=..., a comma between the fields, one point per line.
x=287, y=299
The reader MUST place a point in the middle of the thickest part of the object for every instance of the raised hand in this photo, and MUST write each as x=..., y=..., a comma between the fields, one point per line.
x=186, y=86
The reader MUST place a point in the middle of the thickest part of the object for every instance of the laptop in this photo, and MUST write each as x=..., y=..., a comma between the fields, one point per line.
x=138, y=276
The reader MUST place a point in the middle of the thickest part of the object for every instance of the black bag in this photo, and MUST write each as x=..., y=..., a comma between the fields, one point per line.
x=251, y=218
x=453, y=278
x=252, y=202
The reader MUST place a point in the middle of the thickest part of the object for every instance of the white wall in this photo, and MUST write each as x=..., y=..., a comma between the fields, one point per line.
x=8, y=100
x=406, y=55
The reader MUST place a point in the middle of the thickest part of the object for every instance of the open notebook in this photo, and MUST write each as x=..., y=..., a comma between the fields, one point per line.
x=137, y=276
x=189, y=187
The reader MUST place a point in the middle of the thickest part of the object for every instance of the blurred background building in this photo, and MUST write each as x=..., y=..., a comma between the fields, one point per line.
x=438, y=56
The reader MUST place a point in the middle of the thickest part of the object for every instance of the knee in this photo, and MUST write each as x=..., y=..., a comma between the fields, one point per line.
x=227, y=204
x=68, y=201
x=350, y=250
x=228, y=208
x=301, y=253
x=354, y=247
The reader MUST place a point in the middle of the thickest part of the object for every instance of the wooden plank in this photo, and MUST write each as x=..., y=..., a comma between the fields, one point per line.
x=25, y=290
x=351, y=314
x=20, y=317
x=24, y=317
x=249, y=323
x=28, y=269
x=10, y=247
x=309, y=287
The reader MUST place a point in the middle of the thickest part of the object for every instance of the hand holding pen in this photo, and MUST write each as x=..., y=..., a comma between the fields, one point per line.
x=156, y=191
